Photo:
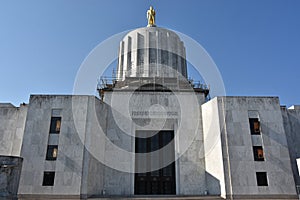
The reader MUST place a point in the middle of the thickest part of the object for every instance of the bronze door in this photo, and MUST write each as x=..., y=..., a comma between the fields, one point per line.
x=161, y=181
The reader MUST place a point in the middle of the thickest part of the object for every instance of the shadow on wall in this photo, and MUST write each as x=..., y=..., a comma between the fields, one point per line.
x=10, y=170
x=213, y=185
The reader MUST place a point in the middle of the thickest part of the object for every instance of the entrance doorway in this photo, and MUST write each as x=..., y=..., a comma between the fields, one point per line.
x=161, y=181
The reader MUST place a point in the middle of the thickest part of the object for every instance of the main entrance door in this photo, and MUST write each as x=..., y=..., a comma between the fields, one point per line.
x=160, y=181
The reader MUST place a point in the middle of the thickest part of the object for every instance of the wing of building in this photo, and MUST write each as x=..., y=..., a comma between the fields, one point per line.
x=152, y=132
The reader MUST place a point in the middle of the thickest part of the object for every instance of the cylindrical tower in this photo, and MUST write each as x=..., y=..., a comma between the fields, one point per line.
x=151, y=52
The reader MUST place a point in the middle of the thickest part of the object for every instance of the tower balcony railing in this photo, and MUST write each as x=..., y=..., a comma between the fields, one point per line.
x=151, y=83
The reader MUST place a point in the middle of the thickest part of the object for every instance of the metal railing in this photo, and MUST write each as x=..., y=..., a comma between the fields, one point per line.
x=105, y=82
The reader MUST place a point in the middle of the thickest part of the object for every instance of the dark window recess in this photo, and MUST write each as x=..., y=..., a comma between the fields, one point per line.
x=51, y=152
x=152, y=55
x=164, y=57
x=183, y=67
x=261, y=178
x=174, y=60
x=55, y=124
x=48, y=179
x=121, y=65
x=140, y=61
x=129, y=61
x=254, y=126
x=258, y=153
x=140, y=56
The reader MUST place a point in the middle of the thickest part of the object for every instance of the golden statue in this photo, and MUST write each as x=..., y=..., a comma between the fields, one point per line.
x=151, y=17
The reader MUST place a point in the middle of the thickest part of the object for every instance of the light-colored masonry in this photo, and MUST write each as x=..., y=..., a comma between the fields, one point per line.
x=77, y=146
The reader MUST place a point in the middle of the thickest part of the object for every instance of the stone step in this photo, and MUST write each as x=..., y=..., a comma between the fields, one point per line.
x=161, y=198
x=128, y=198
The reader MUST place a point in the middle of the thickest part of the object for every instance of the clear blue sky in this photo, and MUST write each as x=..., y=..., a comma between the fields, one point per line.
x=255, y=43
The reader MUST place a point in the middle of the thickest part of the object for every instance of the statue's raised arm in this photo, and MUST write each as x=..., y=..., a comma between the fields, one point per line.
x=151, y=17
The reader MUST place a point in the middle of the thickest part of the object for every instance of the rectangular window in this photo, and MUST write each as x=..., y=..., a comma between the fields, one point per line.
x=140, y=51
x=164, y=57
x=261, y=178
x=254, y=126
x=55, y=124
x=129, y=62
x=140, y=61
x=48, y=179
x=122, y=59
x=174, y=61
x=258, y=153
x=51, y=152
x=152, y=55
x=140, y=56
x=183, y=67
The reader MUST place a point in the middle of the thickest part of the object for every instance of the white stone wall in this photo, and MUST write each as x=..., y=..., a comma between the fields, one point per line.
x=12, y=123
x=214, y=167
x=69, y=163
x=131, y=111
x=291, y=118
x=239, y=165
x=158, y=39
x=93, y=169
x=191, y=164
x=78, y=168
x=219, y=161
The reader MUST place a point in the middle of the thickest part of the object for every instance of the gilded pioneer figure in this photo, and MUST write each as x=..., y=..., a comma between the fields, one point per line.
x=151, y=16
